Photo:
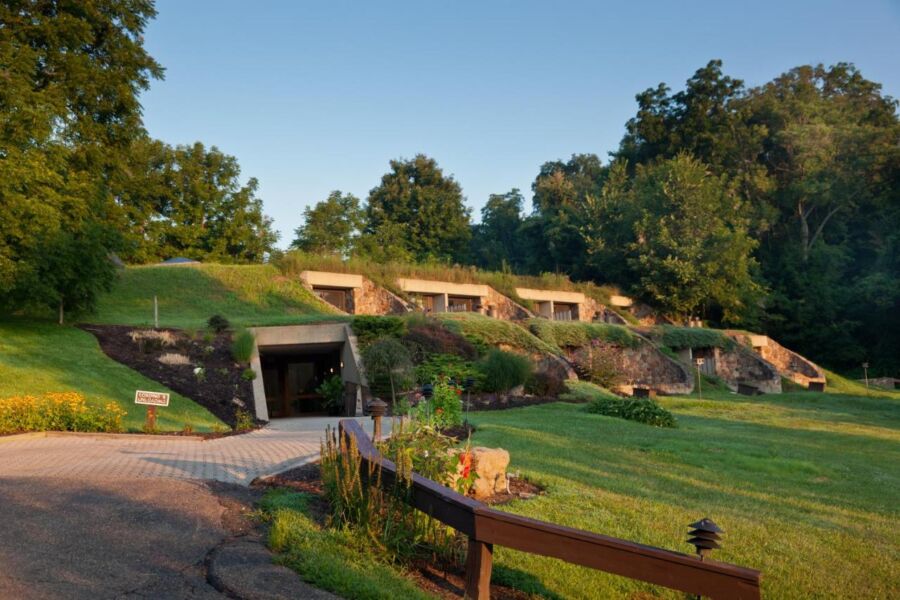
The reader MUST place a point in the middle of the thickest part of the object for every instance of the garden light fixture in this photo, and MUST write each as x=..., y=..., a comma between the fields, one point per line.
x=704, y=537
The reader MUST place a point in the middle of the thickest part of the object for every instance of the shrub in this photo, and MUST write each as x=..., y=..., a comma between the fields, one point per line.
x=446, y=406
x=247, y=374
x=332, y=391
x=243, y=420
x=66, y=411
x=242, y=346
x=433, y=338
x=369, y=328
x=563, y=334
x=545, y=383
x=218, y=323
x=501, y=371
x=437, y=366
x=642, y=410
x=388, y=367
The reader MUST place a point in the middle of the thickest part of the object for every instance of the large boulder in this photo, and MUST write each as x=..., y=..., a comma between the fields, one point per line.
x=490, y=465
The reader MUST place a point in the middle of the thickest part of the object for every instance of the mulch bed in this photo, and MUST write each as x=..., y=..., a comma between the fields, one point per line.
x=443, y=581
x=222, y=391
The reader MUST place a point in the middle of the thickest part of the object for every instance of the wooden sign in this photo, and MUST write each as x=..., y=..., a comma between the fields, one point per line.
x=151, y=398
x=700, y=361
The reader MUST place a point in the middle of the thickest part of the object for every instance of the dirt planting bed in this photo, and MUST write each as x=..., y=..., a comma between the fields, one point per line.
x=220, y=387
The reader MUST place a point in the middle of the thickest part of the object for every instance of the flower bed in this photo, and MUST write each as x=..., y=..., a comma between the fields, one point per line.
x=65, y=411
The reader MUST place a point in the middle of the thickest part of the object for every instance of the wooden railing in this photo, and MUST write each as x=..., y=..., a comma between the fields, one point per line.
x=486, y=527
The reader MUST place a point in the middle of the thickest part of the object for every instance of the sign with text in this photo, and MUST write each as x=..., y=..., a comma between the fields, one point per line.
x=151, y=398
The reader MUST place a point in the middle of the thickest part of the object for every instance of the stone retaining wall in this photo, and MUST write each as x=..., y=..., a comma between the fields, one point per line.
x=788, y=363
x=371, y=299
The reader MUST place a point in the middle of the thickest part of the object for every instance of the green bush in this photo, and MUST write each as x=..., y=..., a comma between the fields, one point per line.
x=247, y=374
x=242, y=346
x=642, y=410
x=370, y=328
x=218, y=323
x=332, y=390
x=446, y=406
x=502, y=371
x=436, y=366
x=388, y=367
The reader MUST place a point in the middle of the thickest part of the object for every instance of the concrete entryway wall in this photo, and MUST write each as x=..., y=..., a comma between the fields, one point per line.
x=298, y=335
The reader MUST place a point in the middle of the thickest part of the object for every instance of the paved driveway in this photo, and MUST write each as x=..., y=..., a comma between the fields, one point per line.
x=235, y=459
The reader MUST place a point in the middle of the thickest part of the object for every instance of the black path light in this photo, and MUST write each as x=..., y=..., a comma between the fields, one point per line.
x=468, y=384
x=704, y=537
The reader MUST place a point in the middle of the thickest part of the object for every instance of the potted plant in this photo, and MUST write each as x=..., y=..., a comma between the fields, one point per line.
x=332, y=391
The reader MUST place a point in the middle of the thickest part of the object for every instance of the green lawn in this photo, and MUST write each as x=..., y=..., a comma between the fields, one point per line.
x=189, y=295
x=40, y=357
x=805, y=485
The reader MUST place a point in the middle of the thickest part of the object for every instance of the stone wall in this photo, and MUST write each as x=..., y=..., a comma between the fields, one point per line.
x=740, y=365
x=788, y=363
x=499, y=306
x=371, y=299
x=645, y=366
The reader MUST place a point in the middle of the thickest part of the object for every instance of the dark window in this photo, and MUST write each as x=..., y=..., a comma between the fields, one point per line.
x=457, y=304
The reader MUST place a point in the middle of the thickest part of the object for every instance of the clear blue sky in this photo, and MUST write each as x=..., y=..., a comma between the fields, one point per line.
x=317, y=96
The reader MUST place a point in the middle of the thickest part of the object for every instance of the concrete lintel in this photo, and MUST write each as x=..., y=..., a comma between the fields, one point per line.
x=423, y=286
x=621, y=301
x=332, y=280
x=560, y=296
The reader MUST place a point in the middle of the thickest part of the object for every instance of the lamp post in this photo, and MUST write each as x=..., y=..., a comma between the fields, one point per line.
x=865, y=367
x=377, y=409
x=704, y=538
x=699, y=362
x=427, y=392
x=469, y=383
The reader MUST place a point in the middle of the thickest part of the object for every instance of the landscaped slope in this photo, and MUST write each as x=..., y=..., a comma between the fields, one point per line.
x=189, y=295
x=804, y=485
x=494, y=332
x=37, y=358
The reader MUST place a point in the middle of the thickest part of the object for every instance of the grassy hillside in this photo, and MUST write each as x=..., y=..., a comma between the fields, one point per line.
x=562, y=334
x=189, y=295
x=37, y=358
x=805, y=486
x=485, y=331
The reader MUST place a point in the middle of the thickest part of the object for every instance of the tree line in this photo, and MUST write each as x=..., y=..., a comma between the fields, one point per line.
x=773, y=208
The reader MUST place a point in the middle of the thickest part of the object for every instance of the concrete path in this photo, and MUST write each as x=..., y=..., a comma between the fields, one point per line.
x=147, y=538
x=236, y=459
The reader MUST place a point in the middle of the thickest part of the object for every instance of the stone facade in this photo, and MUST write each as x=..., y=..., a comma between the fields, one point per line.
x=499, y=306
x=371, y=299
x=646, y=367
x=735, y=366
x=788, y=363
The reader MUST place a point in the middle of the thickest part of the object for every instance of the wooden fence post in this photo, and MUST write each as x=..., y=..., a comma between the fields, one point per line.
x=479, y=561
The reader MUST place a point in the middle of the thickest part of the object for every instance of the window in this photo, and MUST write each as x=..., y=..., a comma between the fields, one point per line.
x=334, y=297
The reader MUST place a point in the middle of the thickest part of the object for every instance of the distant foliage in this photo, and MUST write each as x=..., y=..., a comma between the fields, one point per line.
x=242, y=346
x=642, y=410
x=437, y=366
x=218, y=323
x=501, y=371
x=66, y=411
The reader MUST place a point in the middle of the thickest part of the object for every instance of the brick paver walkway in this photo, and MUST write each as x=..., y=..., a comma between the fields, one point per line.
x=235, y=459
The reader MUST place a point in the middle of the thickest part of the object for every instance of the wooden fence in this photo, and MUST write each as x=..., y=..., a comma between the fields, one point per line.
x=486, y=527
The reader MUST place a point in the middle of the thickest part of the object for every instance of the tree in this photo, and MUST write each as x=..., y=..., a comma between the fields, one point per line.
x=189, y=201
x=496, y=241
x=387, y=358
x=331, y=226
x=560, y=190
x=69, y=107
x=426, y=207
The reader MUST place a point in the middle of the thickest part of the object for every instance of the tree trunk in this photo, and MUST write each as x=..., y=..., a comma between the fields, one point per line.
x=804, y=233
x=60, y=311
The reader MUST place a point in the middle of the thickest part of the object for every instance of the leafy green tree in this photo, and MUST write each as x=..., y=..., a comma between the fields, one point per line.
x=497, y=241
x=189, y=201
x=425, y=206
x=331, y=226
x=560, y=191
x=69, y=107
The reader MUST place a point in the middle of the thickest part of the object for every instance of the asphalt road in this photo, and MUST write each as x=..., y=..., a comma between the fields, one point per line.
x=115, y=538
